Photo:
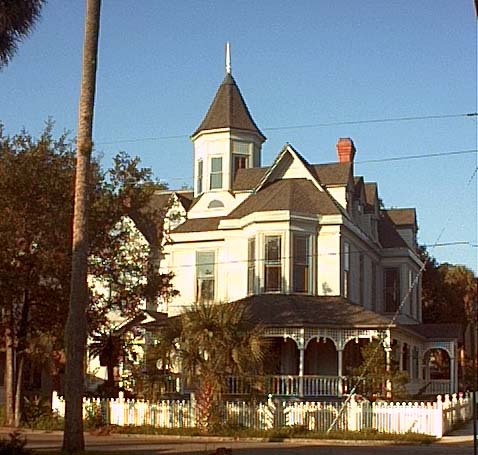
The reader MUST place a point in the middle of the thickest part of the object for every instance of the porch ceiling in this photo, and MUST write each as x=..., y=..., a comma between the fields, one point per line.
x=280, y=310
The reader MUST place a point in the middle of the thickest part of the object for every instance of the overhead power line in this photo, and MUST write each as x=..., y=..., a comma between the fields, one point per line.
x=305, y=126
x=391, y=158
x=414, y=157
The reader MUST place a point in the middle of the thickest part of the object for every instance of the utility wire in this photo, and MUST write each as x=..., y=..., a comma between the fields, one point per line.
x=392, y=158
x=305, y=126
x=312, y=256
x=395, y=316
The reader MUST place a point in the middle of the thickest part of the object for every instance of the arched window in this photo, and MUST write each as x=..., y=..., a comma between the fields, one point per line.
x=215, y=204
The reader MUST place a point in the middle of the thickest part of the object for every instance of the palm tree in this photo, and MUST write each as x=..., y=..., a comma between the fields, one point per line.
x=17, y=18
x=212, y=342
x=108, y=346
x=76, y=327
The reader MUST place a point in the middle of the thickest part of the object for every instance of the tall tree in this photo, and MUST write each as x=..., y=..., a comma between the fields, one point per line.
x=36, y=188
x=17, y=18
x=76, y=327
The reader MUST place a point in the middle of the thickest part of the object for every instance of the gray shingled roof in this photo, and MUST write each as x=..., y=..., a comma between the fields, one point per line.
x=199, y=225
x=387, y=233
x=403, y=217
x=248, y=179
x=296, y=195
x=228, y=110
x=371, y=192
x=333, y=173
x=327, y=174
x=280, y=310
x=439, y=331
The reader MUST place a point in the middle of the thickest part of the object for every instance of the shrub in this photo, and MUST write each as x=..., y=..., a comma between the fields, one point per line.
x=14, y=446
x=94, y=417
x=35, y=408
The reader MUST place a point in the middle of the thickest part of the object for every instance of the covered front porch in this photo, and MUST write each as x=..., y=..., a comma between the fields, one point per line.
x=308, y=363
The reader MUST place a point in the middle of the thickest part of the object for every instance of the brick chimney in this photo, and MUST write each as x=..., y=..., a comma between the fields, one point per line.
x=345, y=150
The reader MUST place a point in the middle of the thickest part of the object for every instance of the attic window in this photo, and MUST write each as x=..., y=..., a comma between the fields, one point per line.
x=215, y=204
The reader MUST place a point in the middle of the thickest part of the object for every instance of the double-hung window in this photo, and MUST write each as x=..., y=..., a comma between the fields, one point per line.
x=391, y=289
x=200, y=177
x=301, y=263
x=374, y=286
x=361, y=280
x=205, y=276
x=251, y=265
x=346, y=266
x=216, y=174
x=273, y=264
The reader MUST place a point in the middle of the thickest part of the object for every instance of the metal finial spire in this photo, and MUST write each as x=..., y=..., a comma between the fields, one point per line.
x=228, y=58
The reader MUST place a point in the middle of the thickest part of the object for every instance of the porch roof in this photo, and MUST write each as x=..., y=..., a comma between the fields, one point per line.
x=450, y=331
x=280, y=310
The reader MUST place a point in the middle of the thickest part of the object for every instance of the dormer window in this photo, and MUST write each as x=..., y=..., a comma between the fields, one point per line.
x=216, y=174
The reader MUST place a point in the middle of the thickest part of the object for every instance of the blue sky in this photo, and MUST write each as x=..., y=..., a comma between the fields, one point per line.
x=297, y=63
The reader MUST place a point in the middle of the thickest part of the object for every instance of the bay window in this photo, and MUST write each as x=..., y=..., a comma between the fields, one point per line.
x=301, y=263
x=273, y=264
x=251, y=265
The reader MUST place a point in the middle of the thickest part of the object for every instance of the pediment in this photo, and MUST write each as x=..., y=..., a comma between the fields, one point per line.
x=289, y=164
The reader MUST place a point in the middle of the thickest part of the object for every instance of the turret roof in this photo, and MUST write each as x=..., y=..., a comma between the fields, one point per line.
x=228, y=110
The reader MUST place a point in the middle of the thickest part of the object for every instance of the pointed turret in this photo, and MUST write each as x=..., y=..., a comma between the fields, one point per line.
x=227, y=139
x=228, y=110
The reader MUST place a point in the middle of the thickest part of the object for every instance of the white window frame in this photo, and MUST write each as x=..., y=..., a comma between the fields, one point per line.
x=281, y=262
x=198, y=278
x=213, y=174
x=307, y=265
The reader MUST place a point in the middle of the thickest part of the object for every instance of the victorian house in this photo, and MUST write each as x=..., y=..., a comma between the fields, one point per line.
x=309, y=249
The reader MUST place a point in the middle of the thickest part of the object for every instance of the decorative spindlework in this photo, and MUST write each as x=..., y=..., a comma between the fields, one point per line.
x=340, y=337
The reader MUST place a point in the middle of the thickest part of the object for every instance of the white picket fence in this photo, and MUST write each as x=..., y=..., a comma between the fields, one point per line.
x=431, y=418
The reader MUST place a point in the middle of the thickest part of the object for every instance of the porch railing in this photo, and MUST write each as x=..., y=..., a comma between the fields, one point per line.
x=288, y=385
x=319, y=386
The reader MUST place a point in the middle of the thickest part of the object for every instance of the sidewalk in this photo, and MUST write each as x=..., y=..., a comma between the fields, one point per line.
x=38, y=439
x=460, y=436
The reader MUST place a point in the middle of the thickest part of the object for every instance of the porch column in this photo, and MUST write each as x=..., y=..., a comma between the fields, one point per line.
x=453, y=375
x=301, y=346
x=388, y=363
x=340, y=385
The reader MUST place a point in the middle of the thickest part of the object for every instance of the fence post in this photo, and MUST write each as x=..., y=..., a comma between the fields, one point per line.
x=193, y=404
x=438, y=420
x=352, y=414
x=270, y=412
x=121, y=408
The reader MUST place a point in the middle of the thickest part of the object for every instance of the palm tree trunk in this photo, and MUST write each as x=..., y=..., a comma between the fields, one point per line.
x=75, y=331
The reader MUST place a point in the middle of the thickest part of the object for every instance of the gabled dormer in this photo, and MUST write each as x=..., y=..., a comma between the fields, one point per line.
x=227, y=140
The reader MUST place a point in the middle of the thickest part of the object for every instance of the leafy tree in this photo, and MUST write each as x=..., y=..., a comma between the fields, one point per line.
x=35, y=213
x=449, y=292
x=209, y=343
x=374, y=375
x=18, y=18
x=76, y=328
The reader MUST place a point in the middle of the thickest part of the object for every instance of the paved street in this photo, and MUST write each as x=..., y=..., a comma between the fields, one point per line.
x=461, y=443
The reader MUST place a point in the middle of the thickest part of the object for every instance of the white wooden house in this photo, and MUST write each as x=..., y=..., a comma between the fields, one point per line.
x=309, y=249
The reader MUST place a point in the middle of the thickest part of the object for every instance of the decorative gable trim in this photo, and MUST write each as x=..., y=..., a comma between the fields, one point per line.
x=283, y=162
